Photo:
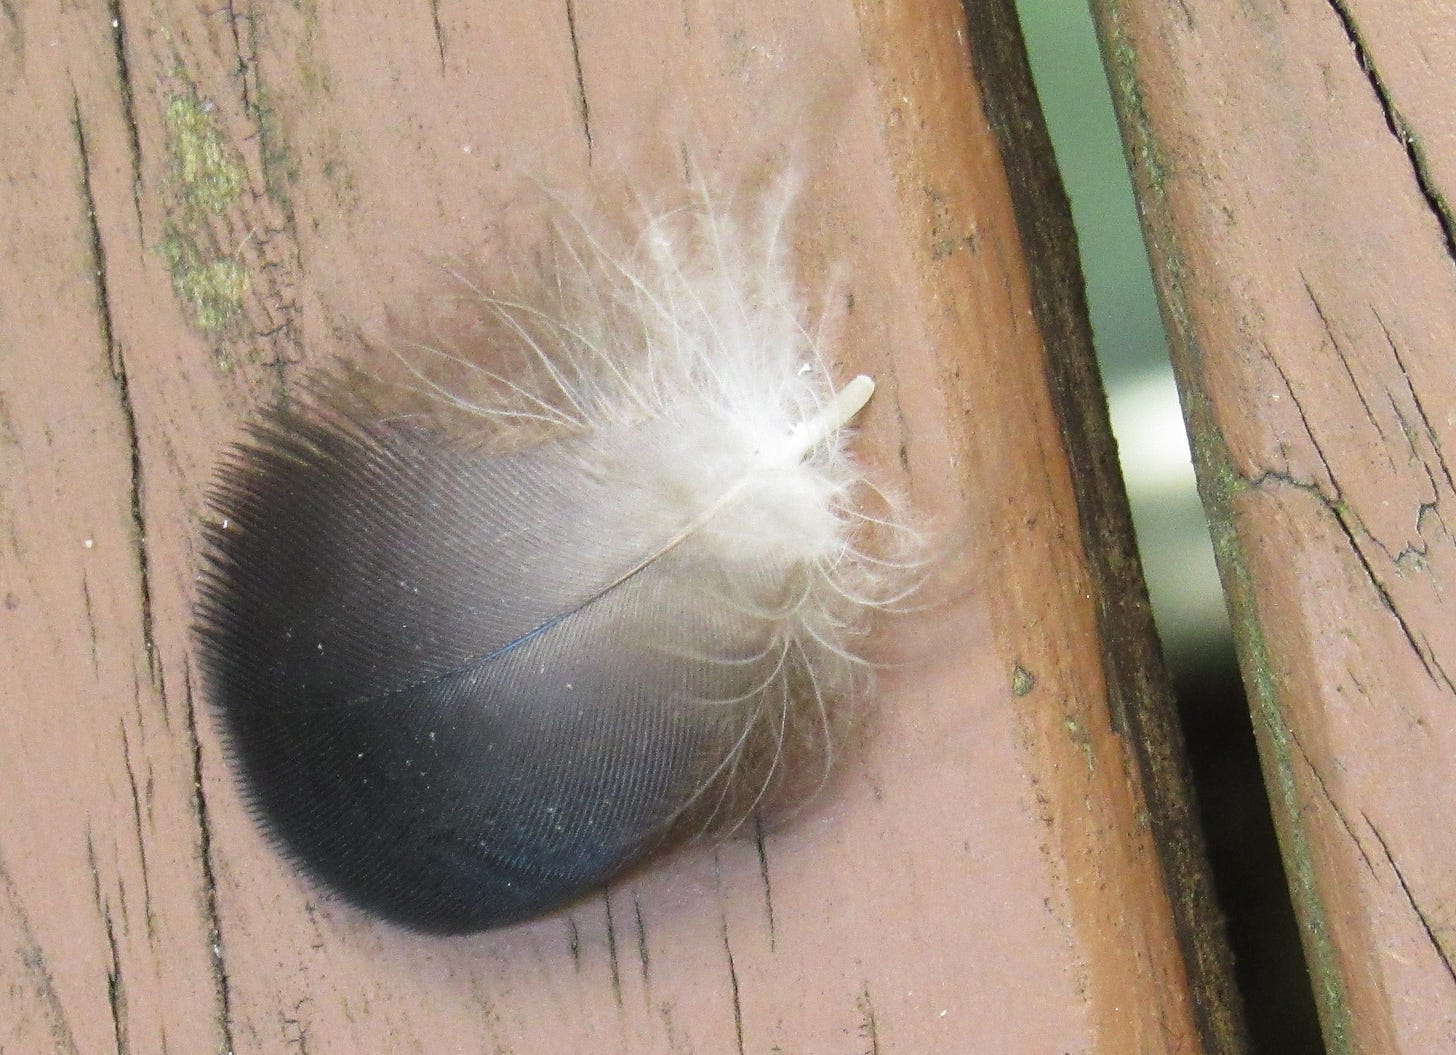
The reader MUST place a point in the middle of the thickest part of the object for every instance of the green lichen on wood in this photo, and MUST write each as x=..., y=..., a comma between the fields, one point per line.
x=1221, y=485
x=206, y=181
x=213, y=288
x=203, y=168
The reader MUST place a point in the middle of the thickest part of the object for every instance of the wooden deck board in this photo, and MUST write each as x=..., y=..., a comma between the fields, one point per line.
x=1296, y=164
x=202, y=202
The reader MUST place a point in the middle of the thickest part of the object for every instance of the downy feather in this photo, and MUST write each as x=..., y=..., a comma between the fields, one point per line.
x=605, y=590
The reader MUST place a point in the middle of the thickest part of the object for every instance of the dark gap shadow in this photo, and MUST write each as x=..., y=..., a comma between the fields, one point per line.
x=1243, y=852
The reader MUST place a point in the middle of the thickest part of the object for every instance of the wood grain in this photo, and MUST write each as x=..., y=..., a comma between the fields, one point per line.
x=203, y=201
x=1296, y=163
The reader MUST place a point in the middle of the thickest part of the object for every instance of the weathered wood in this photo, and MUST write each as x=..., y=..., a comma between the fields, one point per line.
x=1296, y=163
x=202, y=201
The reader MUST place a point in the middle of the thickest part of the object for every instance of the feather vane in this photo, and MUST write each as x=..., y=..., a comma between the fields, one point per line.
x=476, y=663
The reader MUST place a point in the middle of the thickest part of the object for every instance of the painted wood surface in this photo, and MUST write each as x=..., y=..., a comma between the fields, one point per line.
x=202, y=201
x=1296, y=164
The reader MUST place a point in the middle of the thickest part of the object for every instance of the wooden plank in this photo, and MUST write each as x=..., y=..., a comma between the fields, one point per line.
x=1296, y=163
x=203, y=202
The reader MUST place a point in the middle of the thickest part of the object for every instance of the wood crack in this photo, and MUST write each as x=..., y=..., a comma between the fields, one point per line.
x=295, y=1027
x=36, y=968
x=1431, y=434
x=868, y=1030
x=763, y=874
x=1409, y=141
x=115, y=989
x=1304, y=422
x=115, y=983
x=1329, y=329
x=276, y=299
x=583, y=107
x=612, y=948
x=1349, y=524
x=136, y=814
x=221, y=985
x=573, y=937
x=122, y=384
x=642, y=954
x=733, y=984
x=92, y=645
x=439, y=32
x=1347, y=519
x=128, y=108
x=1419, y=645
x=1329, y=799
x=244, y=68
x=1411, y=900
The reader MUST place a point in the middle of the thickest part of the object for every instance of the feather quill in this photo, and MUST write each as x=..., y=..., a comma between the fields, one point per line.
x=476, y=662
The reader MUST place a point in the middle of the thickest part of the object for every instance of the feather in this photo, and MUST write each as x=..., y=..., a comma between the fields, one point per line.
x=474, y=662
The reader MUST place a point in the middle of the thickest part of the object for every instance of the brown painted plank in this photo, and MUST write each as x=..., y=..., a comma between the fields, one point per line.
x=1296, y=163
x=202, y=200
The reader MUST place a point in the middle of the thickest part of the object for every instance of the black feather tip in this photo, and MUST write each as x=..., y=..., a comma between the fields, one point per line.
x=376, y=628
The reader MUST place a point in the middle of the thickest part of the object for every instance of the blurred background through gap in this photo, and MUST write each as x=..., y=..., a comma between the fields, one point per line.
x=1171, y=529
